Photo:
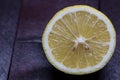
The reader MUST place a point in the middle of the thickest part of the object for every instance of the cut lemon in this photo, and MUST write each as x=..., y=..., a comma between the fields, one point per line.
x=79, y=40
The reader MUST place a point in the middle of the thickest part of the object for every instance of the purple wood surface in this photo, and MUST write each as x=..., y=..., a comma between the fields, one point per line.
x=35, y=14
x=29, y=61
x=9, y=10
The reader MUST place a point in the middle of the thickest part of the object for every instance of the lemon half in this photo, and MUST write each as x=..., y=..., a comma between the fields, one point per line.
x=79, y=40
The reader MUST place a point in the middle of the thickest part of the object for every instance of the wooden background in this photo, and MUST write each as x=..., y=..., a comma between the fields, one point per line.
x=21, y=26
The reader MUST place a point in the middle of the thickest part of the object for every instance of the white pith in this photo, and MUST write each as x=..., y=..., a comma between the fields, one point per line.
x=60, y=66
x=80, y=40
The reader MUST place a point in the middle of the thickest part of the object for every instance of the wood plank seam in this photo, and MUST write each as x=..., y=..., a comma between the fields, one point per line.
x=15, y=38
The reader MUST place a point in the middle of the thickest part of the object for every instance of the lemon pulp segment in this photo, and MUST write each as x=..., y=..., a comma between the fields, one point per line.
x=79, y=40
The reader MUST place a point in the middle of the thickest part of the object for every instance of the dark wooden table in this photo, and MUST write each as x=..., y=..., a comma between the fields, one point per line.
x=21, y=26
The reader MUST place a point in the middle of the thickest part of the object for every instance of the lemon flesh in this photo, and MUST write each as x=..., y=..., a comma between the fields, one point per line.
x=79, y=40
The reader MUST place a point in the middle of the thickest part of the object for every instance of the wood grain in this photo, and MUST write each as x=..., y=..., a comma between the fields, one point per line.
x=9, y=10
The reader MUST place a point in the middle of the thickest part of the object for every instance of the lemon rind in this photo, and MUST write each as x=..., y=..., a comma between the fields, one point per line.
x=79, y=71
